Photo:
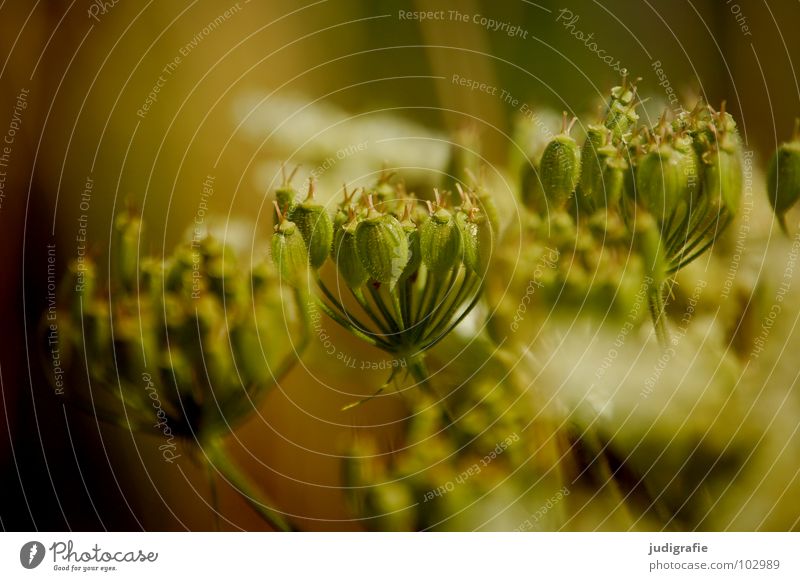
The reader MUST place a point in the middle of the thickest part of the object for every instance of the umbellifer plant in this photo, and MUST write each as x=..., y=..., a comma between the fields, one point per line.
x=628, y=206
x=677, y=185
x=408, y=273
x=186, y=347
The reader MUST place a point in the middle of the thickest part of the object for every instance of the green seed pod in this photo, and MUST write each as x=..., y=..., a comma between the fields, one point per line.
x=477, y=238
x=382, y=247
x=127, y=233
x=593, y=158
x=469, y=237
x=339, y=220
x=615, y=171
x=440, y=241
x=286, y=196
x=315, y=226
x=412, y=235
x=560, y=169
x=783, y=178
x=345, y=254
x=663, y=180
x=289, y=253
x=722, y=178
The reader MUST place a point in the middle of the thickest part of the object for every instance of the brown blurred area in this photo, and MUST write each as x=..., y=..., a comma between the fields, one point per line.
x=87, y=78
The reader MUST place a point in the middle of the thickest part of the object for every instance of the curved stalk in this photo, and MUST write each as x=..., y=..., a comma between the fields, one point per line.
x=219, y=459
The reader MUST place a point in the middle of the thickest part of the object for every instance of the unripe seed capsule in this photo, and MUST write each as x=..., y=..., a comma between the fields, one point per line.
x=346, y=257
x=440, y=241
x=412, y=235
x=560, y=168
x=286, y=195
x=592, y=166
x=615, y=171
x=476, y=234
x=382, y=246
x=722, y=178
x=662, y=182
x=289, y=252
x=315, y=226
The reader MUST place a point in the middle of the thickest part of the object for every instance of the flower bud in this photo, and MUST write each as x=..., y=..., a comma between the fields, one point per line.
x=382, y=246
x=560, y=168
x=783, y=179
x=289, y=251
x=345, y=255
x=315, y=227
x=440, y=241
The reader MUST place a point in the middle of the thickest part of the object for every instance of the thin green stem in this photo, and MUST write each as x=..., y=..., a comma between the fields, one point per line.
x=220, y=460
x=455, y=323
x=374, y=395
x=374, y=341
x=446, y=313
x=658, y=313
x=362, y=300
x=378, y=300
x=419, y=371
x=336, y=303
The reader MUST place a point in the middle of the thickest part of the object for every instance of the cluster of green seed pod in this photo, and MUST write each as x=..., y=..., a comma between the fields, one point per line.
x=566, y=266
x=486, y=471
x=676, y=185
x=413, y=270
x=194, y=332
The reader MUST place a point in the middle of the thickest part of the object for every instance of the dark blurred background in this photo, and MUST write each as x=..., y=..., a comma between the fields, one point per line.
x=86, y=76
